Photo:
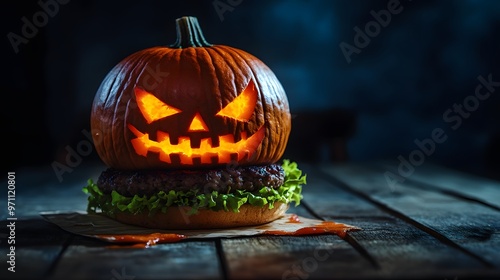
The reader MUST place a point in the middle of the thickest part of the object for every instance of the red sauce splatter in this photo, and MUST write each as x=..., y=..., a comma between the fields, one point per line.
x=141, y=240
x=128, y=246
x=294, y=219
x=324, y=227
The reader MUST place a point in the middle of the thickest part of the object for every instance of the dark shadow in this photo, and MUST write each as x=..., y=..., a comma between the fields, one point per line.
x=321, y=135
x=492, y=156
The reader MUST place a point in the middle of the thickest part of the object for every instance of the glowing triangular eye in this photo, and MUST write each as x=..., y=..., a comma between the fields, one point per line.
x=242, y=107
x=151, y=107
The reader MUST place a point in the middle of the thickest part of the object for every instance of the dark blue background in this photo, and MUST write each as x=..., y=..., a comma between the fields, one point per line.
x=412, y=71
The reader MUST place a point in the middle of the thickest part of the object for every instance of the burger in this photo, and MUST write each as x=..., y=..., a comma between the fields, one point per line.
x=192, y=136
x=180, y=199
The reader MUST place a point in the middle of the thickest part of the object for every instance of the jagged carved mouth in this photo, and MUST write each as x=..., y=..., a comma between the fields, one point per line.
x=227, y=151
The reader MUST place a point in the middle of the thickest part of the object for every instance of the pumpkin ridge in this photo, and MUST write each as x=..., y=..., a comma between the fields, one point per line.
x=225, y=52
x=122, y=73
x=277, y=87
x=209, y=61
x=224, y=55
x=93, y=112
x=142, y=61
x=262, y=153
x=197, y=79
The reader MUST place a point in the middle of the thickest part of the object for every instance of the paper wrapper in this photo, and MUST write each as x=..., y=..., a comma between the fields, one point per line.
x=103, y=228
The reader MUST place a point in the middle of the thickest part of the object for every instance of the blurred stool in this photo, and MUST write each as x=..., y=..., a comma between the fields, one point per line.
x=321, y=135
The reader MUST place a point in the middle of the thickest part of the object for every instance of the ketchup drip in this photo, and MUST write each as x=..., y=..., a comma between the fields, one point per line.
x=309, y=228
x=294, y=219
x=324, y=227
x=142, y=240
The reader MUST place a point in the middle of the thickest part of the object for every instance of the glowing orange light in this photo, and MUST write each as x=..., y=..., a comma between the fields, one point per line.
x=206, y=152
x=151, y=107
x=197, y=124
x=242, y=107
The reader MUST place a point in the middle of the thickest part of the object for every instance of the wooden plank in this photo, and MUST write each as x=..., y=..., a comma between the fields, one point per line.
x=91, y=259
x=471, y=228
x=292, y=257
x=38, y=190
x=288, y=257
x=470, y=186
x=399, y=249
x=38, y=244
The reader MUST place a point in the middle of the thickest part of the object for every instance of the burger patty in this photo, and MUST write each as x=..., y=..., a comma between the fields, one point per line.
x=149, y=182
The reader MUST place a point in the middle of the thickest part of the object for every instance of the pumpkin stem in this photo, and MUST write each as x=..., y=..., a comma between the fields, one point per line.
x=189, y=33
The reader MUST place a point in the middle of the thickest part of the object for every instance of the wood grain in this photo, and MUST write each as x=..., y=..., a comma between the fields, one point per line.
x=400, y=249
x=453, y=182
x=435, y=224
x=38, y=245
x=466, y=226
x=91, y=259
x=289, y=257
x=293, y=257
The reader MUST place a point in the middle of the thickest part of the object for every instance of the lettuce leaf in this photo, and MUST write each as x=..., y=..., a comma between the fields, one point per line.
x=289, y=192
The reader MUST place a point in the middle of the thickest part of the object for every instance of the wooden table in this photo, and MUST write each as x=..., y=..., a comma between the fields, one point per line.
x=433, y=224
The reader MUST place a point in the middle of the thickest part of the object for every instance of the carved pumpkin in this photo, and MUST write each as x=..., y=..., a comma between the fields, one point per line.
x=191, y=104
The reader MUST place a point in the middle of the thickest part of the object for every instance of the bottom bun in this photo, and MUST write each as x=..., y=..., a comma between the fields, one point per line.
x=177, y=217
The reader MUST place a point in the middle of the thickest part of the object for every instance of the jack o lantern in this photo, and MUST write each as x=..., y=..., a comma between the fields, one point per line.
x=191, y=104
x=193, y=129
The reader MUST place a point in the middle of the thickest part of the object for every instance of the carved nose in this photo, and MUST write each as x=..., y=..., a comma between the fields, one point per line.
x=197, y=124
